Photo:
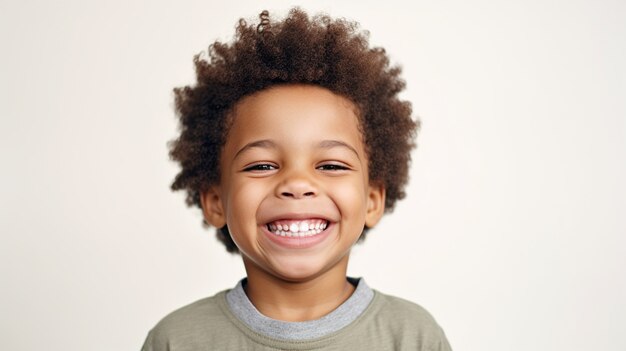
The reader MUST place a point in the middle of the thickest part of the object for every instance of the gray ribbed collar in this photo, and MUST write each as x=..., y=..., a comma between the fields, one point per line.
x=343, y=315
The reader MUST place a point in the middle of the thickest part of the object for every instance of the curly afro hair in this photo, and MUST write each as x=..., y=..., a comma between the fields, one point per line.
x=321, y=51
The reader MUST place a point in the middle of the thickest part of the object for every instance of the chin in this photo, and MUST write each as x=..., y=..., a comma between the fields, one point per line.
x=298, y=271
x=299, y=268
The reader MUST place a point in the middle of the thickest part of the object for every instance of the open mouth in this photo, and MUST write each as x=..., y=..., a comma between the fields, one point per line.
x=297, y=228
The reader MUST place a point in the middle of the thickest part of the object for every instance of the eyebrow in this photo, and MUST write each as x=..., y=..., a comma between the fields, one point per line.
x=265, y=143
x=269, y=144
x=329, y=144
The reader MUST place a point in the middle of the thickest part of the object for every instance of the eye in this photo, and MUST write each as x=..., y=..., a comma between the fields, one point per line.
x=333, y=167
x=260, y=167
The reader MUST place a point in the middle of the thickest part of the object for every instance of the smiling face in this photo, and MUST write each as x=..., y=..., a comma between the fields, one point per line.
x=294, y=188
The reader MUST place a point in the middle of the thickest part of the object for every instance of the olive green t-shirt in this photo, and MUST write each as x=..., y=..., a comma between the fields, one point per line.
x=382, y=323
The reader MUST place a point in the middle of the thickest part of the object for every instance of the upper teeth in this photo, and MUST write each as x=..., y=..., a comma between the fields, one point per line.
x=298, y=228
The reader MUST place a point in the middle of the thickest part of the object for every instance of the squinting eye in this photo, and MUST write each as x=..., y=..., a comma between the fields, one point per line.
x=260, y=167
x=332, y=167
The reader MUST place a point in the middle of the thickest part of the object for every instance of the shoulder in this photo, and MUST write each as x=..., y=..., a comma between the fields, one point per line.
x=404, y=310
x=188, y=325
x=407, y=320
x=196, y=313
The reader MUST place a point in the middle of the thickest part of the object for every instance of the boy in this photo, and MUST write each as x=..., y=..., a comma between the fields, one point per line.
x=293, y=144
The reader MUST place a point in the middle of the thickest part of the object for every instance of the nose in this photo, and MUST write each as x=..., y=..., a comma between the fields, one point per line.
x=296, y=185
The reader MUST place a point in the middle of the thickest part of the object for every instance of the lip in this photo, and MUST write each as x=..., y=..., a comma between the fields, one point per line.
x=297, y=216
x=298, y=242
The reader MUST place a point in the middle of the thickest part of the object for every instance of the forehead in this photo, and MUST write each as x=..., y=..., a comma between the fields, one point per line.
x=295, y=114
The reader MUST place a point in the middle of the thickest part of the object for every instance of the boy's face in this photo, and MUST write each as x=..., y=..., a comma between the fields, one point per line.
x=294, y=188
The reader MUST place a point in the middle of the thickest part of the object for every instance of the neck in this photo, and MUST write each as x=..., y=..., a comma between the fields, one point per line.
x=297, y=300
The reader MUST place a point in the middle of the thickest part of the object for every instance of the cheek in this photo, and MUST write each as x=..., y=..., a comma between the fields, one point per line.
x=350, y=198
x=243, y=202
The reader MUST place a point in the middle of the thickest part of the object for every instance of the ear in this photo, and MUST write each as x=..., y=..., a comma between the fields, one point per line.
x=375, y=204
x=212, y=207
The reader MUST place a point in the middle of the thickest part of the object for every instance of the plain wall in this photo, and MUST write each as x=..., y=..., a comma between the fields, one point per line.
x=512, y=234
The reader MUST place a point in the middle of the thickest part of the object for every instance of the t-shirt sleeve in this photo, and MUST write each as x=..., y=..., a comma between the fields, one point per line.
x=186, y=328
x=442, y=344
x=150, y=345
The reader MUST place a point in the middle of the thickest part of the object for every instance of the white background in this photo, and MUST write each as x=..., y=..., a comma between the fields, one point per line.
x=512, y=234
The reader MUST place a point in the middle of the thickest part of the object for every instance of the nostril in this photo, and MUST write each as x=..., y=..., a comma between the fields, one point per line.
x=297, y=195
